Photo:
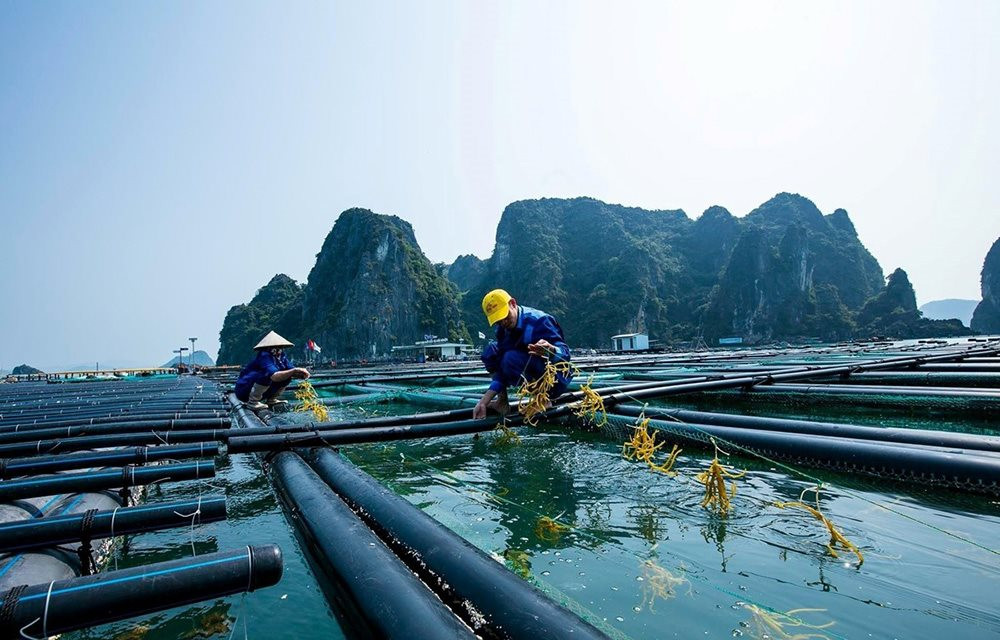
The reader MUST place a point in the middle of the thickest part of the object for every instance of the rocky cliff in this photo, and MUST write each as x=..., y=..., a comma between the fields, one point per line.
x=893, y=313
x=370, y=289
x=785, y=270
x=986, y=318
x=277, y=306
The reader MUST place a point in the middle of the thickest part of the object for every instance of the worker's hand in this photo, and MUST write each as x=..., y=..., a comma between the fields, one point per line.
x=479, y=411
x=301, y=374
x=542, y=348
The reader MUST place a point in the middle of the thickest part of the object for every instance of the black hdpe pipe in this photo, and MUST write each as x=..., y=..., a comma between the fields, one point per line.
x=387, y=597
x=105, y=479
x=835, y=429
x=336, y=437
x=38, y=533
x=47, y=609
x=123, y=440
x=976, y=471
x=16, y=467
x=462, y=573
x=27, y=435
x=883, y=390
x=265, y=438
x=133, y=417
x=85, y=412
x=68, y=408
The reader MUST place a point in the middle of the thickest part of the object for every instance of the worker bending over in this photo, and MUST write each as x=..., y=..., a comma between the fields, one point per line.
x=526, y=339
x=262, y=381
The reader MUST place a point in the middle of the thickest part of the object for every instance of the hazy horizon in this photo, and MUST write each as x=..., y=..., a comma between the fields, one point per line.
x=236, y=133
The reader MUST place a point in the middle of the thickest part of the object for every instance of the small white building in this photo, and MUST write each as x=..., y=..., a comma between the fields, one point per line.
x=437, y=349
x=630, y=342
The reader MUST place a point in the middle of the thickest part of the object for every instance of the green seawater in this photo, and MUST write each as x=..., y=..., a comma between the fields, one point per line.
x=294, y=608
x=641, y=558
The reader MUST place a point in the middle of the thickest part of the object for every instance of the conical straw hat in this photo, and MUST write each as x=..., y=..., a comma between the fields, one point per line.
x=273, y=341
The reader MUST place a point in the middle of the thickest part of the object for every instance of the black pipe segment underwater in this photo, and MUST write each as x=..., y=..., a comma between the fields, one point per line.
x=105, y=479
x=787, y=425
x=113, y=428
x=970, y=470
x=38, y=533
x=44, y=609
x=33, y=466
x=43, y=447
x=387, y=597
x=461, y=572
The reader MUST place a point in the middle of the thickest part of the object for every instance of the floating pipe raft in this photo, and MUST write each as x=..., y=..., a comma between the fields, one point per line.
x=974, y=471
x=787, y=425
x=336, y=437
x=32, y=466
x=122, y=440
x=47, y=609
x=38, y=533
x=509, y=606
x=116, y=428
x=388, y=599
x=134, y=417
x=106, y=479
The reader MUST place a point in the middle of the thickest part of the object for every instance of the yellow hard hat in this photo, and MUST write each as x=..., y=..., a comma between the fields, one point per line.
x=495, y=305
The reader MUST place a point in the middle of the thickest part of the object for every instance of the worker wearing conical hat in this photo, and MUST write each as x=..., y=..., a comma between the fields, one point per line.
x=262, y=381
x=526, y=339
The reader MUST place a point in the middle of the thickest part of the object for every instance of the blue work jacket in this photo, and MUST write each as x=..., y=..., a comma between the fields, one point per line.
x=260, y=370
x=532, y=325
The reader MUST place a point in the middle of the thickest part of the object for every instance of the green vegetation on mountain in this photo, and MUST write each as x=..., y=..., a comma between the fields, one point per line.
x=370, y=289
x=986, y=318
x=785, y=271
x=277, y=306
x=893, y=313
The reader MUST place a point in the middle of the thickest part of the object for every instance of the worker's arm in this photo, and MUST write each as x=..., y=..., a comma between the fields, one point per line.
x=479, y=411
x=288, y=374
x=549, y=342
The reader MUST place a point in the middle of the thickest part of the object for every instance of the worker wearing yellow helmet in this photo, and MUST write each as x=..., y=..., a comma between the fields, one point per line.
x=526, y=339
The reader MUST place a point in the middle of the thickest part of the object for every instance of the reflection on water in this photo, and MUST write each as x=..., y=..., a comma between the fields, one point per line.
x=639, y=556
x=644, y=559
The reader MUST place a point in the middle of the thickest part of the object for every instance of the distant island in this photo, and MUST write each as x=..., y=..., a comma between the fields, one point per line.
x=950, y=308
x=23, y=369
x=200, y=358
x=783, y=272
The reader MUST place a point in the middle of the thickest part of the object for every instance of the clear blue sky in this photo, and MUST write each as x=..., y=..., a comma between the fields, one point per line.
x=161, y=161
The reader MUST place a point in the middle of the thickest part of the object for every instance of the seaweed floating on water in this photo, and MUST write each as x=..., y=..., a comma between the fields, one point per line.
x=550, y=530
x=504, y=436
x=714, y=479
x=518, y=561
x=643, y=447
x=836, y=537
x=309, y=401
x=661, y=583
x=773, y=625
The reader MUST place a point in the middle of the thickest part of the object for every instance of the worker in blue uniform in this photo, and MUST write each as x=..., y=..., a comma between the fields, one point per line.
x=262, y=381
x=526, y=340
